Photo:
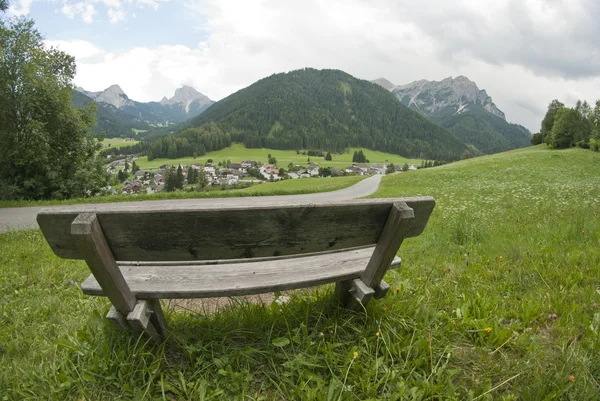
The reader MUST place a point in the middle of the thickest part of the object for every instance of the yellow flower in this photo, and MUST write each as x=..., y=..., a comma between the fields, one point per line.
x=571, y=379
x=488, y=329
x=377, y=334
x=355, y=355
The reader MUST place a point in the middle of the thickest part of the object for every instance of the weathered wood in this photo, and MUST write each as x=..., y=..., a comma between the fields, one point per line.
x=381, y=290
x=203, y=232
x=205, y=281
x=117, y=319
x=158, y=318
x=139, y=319
x=395, y=230
x=359, y=294
x=91, y=244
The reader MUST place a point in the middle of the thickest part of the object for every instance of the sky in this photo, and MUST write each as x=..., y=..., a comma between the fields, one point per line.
x=524, y=53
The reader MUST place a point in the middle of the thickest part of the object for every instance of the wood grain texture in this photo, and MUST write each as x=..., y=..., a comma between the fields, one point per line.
x=396, y=229
x=184, y=233
x=91, y=244
x=205, y=281
x=381, y=290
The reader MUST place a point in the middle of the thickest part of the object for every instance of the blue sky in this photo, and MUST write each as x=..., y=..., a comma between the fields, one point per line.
x=524, y=53
x=165, y=23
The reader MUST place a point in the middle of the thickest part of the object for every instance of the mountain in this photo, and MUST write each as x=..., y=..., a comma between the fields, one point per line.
x=385, y=83
x=186, y=103
x=329, y=110
x=111, y=120
x=458, y=105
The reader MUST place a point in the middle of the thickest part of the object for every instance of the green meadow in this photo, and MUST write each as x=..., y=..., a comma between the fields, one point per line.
x=238, y=153
x=498, y=299
x=117, y=142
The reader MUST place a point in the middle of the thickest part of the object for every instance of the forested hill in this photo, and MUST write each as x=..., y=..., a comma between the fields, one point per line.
x=324, y=109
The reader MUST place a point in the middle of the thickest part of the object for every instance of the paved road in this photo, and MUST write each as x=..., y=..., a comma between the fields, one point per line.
x=23, y=218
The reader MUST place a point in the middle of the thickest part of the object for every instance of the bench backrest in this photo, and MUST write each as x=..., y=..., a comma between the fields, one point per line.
x=179, y=233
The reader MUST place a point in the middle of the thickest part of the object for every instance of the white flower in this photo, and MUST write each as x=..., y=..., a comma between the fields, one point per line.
x=282, y=300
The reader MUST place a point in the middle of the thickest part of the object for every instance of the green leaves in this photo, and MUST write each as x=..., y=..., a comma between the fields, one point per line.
x=47, y=149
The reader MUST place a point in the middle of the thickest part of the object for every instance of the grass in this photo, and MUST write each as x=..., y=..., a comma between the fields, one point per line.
x=286, y=187
x=238, y=153
x=117, y=142
x=496, y=300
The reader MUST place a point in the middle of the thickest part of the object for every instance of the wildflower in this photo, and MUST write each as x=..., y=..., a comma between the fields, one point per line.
x=377, y=334
x=321, y=335
x=282, y=300
x=385, y=309
x=419, y=278
x=571, y=378
x=355, y=355
x=500, y=258
x=488, y=329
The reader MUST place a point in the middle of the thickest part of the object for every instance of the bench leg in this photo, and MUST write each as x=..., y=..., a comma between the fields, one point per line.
x=352, y=293
x=157, y=318
x=117, y=319
x=139, y=320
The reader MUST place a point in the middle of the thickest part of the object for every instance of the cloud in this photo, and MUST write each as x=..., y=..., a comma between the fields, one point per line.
x=20, y=7
x=523, y=52
x=115, y=15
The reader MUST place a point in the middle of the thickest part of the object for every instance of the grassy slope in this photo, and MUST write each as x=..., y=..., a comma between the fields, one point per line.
x=117, y=142
x=286, y=187
x=514, y=239
x=238, y=152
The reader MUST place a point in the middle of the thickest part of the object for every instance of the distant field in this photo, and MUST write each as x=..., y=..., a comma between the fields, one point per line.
x=117, y=142
x=238, y=152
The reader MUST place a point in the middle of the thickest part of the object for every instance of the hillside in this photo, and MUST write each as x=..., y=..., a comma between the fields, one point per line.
x=185, y=104
x=458, y=105
x=114, y=122
x=330, y=110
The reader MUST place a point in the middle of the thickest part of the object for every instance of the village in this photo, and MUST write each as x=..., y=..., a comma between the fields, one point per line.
x=131, y=180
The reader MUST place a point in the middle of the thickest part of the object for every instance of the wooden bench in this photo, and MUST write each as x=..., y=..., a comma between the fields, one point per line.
x=141, y=255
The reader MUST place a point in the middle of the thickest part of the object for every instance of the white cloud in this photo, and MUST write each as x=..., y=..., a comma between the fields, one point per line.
x=80, y=49
x=505, y=46
x=21, y=7
x=115, y=15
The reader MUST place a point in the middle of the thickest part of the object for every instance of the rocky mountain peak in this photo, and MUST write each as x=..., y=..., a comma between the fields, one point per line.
x=384, y=83
x=458, y=94
x=185, y=96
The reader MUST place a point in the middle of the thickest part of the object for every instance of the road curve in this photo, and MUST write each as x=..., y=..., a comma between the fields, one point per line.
x=23, y=218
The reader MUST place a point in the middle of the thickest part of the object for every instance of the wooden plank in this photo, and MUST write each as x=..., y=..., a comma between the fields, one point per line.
x=205, y=281
x=91, y=244
x=206, y=233
x=158, y=318
x=394, y=232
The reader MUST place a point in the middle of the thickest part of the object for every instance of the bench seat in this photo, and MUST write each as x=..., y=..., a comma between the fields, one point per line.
x=218, y=278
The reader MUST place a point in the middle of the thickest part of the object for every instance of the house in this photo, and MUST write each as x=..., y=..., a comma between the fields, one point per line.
x=247, y=164
x=139, y=174
x=209, y=169
x=411, y=167
x=196, y=167
x=337, y=172
x=268, y=170
x=132, y=186
x=354, y=170
x=313, y=170
x=293, y=176
x=235, y=166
